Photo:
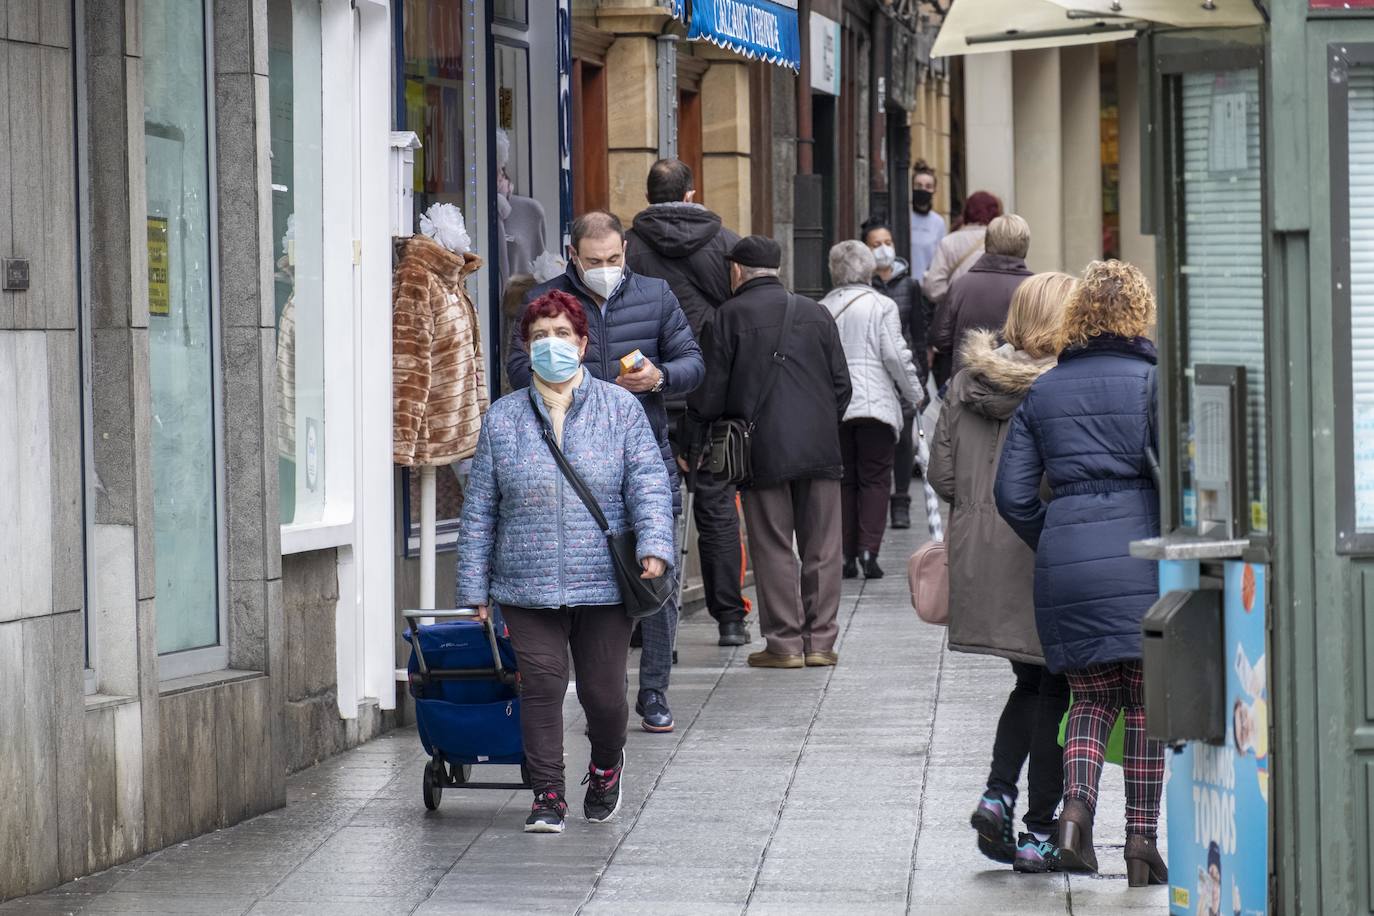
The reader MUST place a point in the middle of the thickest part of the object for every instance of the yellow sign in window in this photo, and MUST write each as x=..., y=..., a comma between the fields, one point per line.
x=159, y=286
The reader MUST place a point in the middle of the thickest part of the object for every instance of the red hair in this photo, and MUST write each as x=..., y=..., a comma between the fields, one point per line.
x=981, y=208
x=550, y=305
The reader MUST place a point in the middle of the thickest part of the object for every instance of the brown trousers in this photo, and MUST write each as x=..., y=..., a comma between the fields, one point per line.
x=600, y=641
x=797, y=606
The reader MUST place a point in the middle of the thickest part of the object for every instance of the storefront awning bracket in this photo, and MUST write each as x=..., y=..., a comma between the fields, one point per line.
x=1094, y=29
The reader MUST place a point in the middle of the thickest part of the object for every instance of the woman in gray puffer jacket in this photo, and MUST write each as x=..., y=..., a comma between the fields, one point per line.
x=995, y=614
x=885, y=386
x=528, y=543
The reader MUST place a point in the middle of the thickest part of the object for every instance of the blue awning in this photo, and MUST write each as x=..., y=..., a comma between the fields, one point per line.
x=757, y=29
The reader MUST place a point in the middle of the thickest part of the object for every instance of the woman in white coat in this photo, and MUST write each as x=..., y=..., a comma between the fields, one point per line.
x=886, y=388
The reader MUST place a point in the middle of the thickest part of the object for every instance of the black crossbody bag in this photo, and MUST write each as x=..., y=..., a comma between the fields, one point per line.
x=732, y=440
x=641, y=597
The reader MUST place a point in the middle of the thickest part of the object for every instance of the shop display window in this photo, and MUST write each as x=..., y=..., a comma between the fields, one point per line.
x=1221, y=266
x=295, y=97
x=1352, y=276
x=182, y=333
x=437, y=99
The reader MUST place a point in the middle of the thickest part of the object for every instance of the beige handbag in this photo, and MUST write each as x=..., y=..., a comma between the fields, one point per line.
x=928, y=575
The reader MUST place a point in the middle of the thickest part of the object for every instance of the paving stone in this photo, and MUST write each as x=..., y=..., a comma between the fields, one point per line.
x=836, y=791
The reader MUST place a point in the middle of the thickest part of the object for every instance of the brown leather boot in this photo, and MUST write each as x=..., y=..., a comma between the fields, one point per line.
x=1076, y=851
x=1143, y=863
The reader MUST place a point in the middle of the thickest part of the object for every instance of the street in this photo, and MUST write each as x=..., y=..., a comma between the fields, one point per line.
x=842, y=790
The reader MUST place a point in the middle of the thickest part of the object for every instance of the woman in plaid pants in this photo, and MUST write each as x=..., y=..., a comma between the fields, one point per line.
x=1086, y=431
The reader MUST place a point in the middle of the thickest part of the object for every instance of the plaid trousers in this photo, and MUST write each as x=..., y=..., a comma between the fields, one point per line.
x=1099, y=693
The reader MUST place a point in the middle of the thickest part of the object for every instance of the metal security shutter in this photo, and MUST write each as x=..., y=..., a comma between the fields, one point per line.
x=1223, y=269
x=1362, y=290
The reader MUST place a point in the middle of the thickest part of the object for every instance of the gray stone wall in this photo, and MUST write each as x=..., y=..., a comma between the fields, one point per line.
x=88, y=781
x=43, y=818
x=314, y=729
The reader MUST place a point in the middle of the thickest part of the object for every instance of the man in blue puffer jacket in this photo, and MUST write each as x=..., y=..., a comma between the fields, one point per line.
x=628, y=312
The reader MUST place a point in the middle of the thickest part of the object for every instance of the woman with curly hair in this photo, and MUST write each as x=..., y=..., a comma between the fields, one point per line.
x=1085, y=430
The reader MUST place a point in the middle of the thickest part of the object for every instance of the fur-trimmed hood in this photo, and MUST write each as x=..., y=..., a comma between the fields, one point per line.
x=995, y=378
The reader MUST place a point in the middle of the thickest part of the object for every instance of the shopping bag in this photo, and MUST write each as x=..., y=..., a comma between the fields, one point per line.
x=1116, y=741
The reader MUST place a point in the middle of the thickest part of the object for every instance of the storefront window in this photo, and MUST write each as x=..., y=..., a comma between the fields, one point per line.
x=295, y=93
x=437, y=100
x=181, y=318
x=1222, y=269
x=1361, y=265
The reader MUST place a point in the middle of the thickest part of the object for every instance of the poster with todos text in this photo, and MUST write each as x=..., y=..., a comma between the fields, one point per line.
x=1218, y=797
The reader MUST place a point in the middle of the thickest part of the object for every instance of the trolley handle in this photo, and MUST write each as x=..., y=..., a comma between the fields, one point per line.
x=413, y=617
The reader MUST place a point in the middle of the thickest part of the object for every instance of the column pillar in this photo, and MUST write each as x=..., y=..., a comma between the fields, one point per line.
x=1038, y=153
x=632, y=94
x=988, y=130
x=1081, y=94
x=725, y=142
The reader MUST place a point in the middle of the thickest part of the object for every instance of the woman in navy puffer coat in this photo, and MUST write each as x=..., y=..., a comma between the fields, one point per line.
x=1085, y=429
x=529, y=543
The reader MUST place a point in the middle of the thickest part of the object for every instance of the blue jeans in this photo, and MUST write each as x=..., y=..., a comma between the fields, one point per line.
x=659, y=633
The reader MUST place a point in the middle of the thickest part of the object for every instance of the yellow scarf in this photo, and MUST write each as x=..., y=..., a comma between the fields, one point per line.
x=556, y=403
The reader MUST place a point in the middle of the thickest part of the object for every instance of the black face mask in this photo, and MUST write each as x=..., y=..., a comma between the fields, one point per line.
x=921, y=200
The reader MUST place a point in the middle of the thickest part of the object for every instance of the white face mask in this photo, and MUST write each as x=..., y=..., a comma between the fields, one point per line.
x=602, y=280
x=884, y=256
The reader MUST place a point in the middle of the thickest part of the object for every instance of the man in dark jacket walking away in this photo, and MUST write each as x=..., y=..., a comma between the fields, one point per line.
x=794, y=491
x=893, y=279
x=625, y=313
x=683, y=243
x=982, y=297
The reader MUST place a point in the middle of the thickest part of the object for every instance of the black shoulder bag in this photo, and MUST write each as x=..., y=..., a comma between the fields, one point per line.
x=732, y=440
x=641, y=597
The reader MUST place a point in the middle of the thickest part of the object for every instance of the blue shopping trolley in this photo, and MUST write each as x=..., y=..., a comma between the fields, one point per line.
x=466, y=685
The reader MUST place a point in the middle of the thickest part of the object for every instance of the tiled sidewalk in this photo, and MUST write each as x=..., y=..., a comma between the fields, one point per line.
x=841, y=790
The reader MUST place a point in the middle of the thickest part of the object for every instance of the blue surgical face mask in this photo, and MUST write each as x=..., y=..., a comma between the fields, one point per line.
x=554, y=360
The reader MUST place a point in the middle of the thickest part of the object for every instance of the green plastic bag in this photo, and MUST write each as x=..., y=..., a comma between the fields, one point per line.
x=1116, y=741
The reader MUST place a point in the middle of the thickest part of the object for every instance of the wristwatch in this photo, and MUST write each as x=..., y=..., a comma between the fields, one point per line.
x=661, y=383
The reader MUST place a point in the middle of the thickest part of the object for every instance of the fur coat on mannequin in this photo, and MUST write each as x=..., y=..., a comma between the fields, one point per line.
x=439, y=380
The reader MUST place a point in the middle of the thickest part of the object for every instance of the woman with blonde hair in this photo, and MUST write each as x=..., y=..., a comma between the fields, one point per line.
x=1085, y=430
x=994, y=614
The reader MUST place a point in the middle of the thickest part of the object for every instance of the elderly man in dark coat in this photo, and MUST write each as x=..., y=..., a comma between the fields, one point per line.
x=627, y=312
x=982, y=297
x=794, y=490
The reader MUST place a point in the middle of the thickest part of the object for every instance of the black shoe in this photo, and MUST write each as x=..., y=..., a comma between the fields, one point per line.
x=547, y=813
x=851, y=568
x=871, y=568
x=733, y=633
x=603, y=792
x=993, y=821
x=653, y=708
x=637, y=638
x=901, y=516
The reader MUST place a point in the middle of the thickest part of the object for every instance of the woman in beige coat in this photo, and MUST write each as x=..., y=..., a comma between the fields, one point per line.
x=991, y=571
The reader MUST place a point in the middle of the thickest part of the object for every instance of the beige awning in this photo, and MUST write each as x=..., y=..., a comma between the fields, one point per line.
x=1186, y=14
x=976, y=26
x=980, y=26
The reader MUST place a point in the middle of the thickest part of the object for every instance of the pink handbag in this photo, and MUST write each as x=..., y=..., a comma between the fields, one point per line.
x=928, y=574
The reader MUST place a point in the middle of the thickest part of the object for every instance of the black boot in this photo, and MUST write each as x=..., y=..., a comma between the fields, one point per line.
x=1144, y=866
x=851, y=568
x=733, y=633
x=870, y=564
x=1076, y=851
x=901, y=515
